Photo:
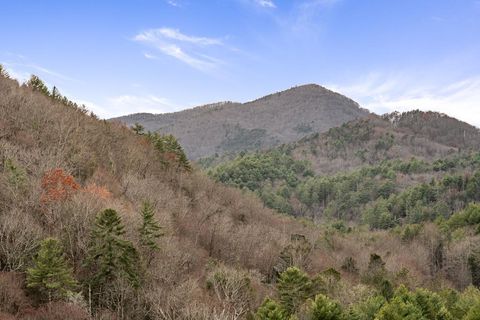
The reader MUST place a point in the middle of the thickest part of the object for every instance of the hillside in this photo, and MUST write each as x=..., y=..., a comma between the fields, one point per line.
x=340, y=174
x=424, y=135
x=60, y=168
x=373, y=139
x=100, y=222
x=226, y=128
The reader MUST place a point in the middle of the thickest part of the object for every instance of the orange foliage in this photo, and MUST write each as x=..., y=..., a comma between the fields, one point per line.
x=57, y=185
x=99, y=191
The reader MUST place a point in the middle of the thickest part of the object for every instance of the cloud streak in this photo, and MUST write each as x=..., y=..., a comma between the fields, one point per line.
x=266, y=3
x=128, y=104
x=22, y=69
x=173, y=3
x=175, y=34
x=183, y=47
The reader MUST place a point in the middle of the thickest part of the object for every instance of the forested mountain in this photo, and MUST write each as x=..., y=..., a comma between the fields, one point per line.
x=397, y=136
x=228, y=128
x=364, y=163
x=98, y=221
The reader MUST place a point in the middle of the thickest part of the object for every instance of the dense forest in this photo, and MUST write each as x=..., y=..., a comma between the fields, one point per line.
x=391, y=193
x=102, y=221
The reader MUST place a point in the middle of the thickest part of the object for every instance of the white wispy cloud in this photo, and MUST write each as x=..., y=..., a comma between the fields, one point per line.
x=173, y=3
x=127, y=104
x=19, y=70
x=304, y=18
x=120, y=105
x=175, y=34
x=266, y=3
x=307, y=11
x=150, y=56
x=386, y=93
x=183, y=47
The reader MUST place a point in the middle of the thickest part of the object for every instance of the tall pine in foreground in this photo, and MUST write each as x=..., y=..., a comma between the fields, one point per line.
x=110, y=256
x=150, y=230
x=294, y=288
x=51, y=276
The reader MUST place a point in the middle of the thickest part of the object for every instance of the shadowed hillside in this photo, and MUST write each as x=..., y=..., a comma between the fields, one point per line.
x=276, y=119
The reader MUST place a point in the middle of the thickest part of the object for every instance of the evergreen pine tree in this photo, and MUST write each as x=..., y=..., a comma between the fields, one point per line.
x=270, y=310
x=170, y=150
x=398, y=309
x=56, y=94
x=37, y=85
x=473, y=313
x=111, y=255
x=294, y=288
x=150, y=230
x=3, y=72
x=50, y=275
x=367, y=309
x=431, y=304
x=324, y=308
x=172, y=146
x=474, y=267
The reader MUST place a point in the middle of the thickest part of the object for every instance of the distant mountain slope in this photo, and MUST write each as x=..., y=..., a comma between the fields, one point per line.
x=368, y=141
x=438, y=127
x=424, y=135
x=343, y=172
x=275, y=119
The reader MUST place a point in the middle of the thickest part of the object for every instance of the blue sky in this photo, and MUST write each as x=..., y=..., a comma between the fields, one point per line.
x=121, y=57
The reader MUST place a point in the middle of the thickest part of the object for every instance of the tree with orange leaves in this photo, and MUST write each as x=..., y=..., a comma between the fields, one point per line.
x=57, y=185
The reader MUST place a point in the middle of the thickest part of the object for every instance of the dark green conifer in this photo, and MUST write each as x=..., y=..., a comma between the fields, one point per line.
x=3, y=72
x=294, y=288
x=50, y=275
x=270, y=310
x=150, y=230
x=36, y=84
x=110, y=255
x=324, y=308
x=474, y=267
x=56, y=94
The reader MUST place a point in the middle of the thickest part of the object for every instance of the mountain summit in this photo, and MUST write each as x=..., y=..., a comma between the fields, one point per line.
x=230, y=127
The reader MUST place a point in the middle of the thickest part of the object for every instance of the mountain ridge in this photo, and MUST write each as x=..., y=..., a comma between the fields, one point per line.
x=231, y=127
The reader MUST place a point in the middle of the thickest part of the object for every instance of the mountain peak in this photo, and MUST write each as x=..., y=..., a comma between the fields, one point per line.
x=278, y=118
